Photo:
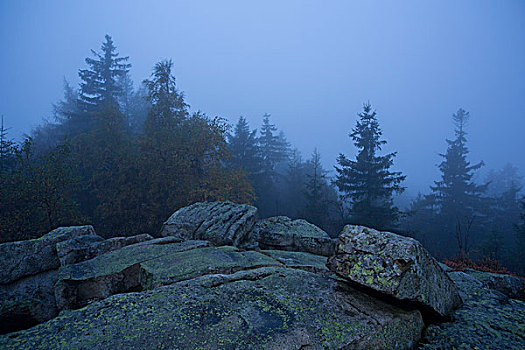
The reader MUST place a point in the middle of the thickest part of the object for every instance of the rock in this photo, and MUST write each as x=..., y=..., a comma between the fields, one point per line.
x=115, y=272
x=487, y=319
x=221, y=223
x=26, y=258
x=254, y=308
x=299, y=260
x=283, y=233
x=511, y=286
x=27, y=301
x=76, y=249
x=394, y=265
x=87, y=247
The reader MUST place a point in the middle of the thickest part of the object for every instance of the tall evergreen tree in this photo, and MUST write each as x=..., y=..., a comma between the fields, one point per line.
x=100, y=82
x=7, y=149
x=520, y=241
x=367, y=182
x=318, y=205
x=456, y=196
x=243, y=146
x=273, y=146
x=168, y=108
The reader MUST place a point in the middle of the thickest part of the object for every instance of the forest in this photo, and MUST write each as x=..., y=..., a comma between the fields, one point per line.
x=124, y=156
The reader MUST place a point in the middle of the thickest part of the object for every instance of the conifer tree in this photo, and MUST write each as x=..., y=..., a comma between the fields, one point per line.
x=7, y=149
x=273, y=147
x=317, y=207
x=100, y=81
x=168, y=108
x=520, y=241
x=243, y=146
x=367, y=182
x=456, y=196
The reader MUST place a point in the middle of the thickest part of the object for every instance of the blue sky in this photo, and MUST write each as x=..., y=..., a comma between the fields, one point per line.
x=310, y=64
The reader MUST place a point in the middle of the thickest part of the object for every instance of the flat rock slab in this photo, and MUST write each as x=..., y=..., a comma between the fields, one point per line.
x=26, y=258
x=111, y=273
x=221, y=223
x=300, y=260
x=511, y=286
x=87, y=247
x=487, y=319
x=264, y=308
x=199, y=262
x=394, y=265
x=283, y=233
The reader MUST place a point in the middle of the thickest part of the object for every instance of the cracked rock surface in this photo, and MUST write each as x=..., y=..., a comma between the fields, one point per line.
x=268, y=307
x=394, y=265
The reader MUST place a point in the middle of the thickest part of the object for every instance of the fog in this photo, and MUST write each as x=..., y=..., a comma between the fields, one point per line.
x=310, y=64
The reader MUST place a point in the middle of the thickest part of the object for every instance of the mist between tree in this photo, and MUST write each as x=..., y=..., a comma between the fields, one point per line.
x=124, y=157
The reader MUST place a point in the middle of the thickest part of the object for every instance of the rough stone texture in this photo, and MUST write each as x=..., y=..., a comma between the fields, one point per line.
x=87, y=247
x=189, y=264
x=511, y=286
x=28, y=301
x=299, y=260
x=115, y=272
x=262, y=308
x=26, y=258
x=283, y=233
x=487, y=319
x=394, y=265
x=221, y=223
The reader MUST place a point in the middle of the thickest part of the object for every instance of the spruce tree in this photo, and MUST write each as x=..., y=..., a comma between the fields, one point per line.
x=317, y=207
x=520, y=241
x=7, y=150
x=367, y=182
x=100, y=82
x=168, y=108
x=273, y=147
x=243, y=146
x=456, y=196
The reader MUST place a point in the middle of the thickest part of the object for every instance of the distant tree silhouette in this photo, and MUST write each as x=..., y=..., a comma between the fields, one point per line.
x=367, y=182
x=456, y=196
x=100, y=82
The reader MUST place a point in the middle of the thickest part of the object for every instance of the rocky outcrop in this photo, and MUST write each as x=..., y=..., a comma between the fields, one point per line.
x=283, y=233
x=394, y=265
x=221, y=223
x=251, y=308
x=487, y=319
x=256, y=286
x=26, y=258
x=28, y=273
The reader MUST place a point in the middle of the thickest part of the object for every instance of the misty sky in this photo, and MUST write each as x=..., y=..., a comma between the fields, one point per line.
x=310, y=64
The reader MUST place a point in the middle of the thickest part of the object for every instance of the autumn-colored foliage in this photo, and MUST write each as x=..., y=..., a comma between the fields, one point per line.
x=484, y=265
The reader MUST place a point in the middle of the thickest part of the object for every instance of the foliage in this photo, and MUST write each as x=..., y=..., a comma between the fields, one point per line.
x=367, y=182
x=38, y=193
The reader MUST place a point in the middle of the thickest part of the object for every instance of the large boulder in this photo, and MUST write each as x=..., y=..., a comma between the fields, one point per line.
x=394, y=265
x=26, y=258
x=223, y=298
x=283, y=233
x=87, y=247
x=487, y=319
x=221, y=223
